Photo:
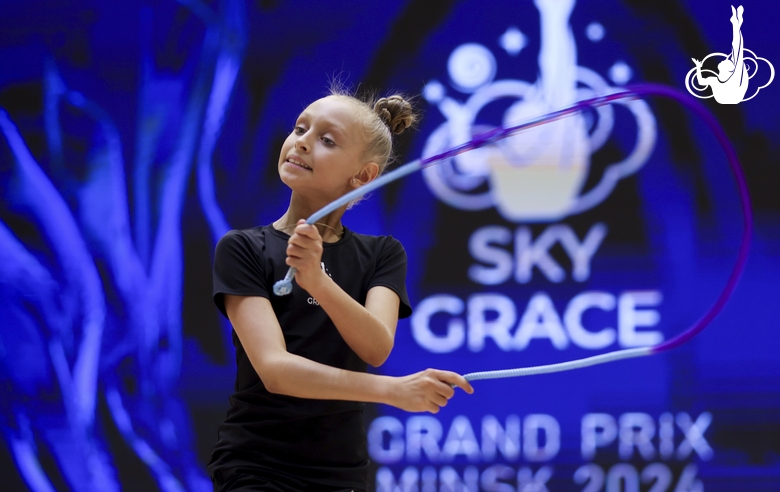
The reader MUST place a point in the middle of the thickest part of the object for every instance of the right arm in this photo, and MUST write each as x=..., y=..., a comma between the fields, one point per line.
x=284, y=373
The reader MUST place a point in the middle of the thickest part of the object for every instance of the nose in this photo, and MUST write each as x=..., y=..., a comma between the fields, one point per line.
x=301, y=143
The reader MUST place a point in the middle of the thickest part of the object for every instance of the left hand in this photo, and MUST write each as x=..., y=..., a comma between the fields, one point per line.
x=304, y=252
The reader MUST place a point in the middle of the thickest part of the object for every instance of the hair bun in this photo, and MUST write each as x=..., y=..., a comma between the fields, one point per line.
x=396, y=112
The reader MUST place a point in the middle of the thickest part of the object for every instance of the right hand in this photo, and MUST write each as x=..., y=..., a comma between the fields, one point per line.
x=428, y=390
x=304, y=253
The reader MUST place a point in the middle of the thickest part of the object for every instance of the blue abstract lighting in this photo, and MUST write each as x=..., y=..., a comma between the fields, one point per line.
x=70, y=341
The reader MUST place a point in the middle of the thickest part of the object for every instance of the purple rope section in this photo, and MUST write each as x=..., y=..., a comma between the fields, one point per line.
x=744, y=196
x=638, y=91
x=501, y=133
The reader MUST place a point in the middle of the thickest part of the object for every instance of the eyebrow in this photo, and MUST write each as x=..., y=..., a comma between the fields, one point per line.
x=335, y=127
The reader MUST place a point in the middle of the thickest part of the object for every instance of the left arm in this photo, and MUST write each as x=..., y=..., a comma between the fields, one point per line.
x=369, y=330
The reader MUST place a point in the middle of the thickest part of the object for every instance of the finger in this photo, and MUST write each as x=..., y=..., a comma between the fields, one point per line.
x=296, y=262
x=296, y=237
x=439, y=400
x=304, y=242
x=301, y=258
x=293, y=262
x=296, y=251
x=444, y=389
x=456, y=380
x=307, y=230
x=299, y=241
x=300, y=265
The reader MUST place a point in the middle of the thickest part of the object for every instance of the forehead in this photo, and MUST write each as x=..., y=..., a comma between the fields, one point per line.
x=334, y=111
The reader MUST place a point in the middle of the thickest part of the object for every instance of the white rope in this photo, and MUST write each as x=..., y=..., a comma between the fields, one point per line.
x=562, y=366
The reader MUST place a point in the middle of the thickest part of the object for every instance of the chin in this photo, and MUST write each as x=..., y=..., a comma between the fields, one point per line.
x=284, y=178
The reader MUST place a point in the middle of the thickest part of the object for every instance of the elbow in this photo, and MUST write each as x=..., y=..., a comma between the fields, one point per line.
x=376, y=361
x=272, y=384
x=380, y=356
x=271, y=374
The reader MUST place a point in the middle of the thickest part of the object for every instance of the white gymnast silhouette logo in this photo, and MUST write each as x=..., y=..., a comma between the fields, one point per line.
x=538, y=174
x=730, y=84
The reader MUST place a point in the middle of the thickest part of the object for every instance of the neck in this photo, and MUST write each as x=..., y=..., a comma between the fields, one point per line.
x=330, y=226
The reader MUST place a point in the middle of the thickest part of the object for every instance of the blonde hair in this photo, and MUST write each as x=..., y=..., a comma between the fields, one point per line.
x=382, y=118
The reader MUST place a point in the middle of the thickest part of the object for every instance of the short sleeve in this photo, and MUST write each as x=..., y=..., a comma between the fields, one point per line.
x=238, y=269
x=391, y=273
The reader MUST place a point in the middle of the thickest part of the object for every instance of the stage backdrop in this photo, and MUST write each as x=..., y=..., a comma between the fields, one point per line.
x=135, y=134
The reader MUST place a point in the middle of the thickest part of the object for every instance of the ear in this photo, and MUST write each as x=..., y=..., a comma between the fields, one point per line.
x=367, y=173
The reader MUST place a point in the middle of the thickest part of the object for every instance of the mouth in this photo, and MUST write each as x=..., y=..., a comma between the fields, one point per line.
x=296, y=162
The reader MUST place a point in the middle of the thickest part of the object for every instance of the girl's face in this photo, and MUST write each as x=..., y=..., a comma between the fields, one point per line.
x=323, y=153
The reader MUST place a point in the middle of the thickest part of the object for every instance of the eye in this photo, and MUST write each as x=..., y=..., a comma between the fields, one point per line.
x=328, y=142
x=299, y=130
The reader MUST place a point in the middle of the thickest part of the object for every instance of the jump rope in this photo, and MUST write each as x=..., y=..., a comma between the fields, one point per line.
x=284, y=286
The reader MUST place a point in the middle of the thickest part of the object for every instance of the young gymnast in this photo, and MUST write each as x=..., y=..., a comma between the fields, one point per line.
x=295, y=419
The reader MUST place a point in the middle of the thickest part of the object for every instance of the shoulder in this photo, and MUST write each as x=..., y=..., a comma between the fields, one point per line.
x=243, y=244
x=231, y=237
x=235, y=239
x=255, y=236
x=378, y=243
x=382, y=251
